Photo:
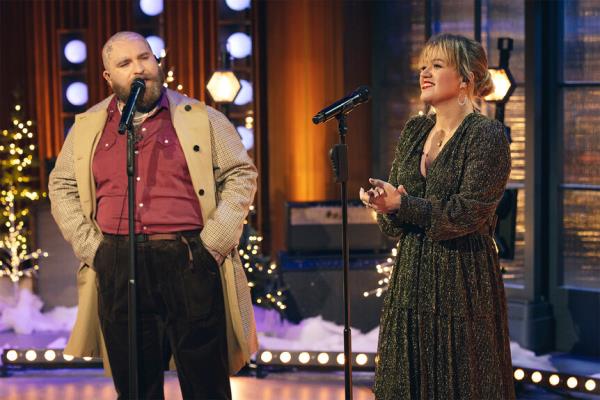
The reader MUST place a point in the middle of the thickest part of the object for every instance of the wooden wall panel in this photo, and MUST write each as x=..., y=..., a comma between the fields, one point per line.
x=190, y=36
x=310, y=64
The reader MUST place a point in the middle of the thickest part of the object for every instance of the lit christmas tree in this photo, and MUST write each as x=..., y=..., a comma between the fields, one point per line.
x=17, y=159
x=263, y=275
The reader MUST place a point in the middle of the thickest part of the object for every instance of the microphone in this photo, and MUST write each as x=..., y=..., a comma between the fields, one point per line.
x=343, y=106
x=138, y=87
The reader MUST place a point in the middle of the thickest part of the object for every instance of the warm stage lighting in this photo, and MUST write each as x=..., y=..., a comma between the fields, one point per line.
x=304, y=357
x=554, y=380
x=590, y=385
x=572, y=382
x=519, y=374
x=341, y=359
x=223, y=86
x=50, y=355
x=31, y=355
x=536, y=377
x=323, y=358
x=285, y=357
x=12, y=355
x=266, y=356
x=361, y=359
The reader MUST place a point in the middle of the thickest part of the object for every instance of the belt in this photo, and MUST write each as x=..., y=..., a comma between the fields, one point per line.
x=150, y=237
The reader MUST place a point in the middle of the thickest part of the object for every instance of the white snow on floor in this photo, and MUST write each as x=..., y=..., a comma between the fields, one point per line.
x=312, y=334
x=25, y=316
x=316, y=334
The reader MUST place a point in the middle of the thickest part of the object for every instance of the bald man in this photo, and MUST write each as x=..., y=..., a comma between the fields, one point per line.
x=194, y=185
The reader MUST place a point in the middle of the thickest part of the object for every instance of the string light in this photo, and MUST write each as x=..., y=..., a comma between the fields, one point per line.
x=16, y=157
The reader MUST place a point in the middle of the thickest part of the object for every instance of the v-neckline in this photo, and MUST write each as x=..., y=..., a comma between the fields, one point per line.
x=424, y=139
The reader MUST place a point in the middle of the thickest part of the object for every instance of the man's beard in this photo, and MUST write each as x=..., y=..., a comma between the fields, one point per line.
x=151, y=94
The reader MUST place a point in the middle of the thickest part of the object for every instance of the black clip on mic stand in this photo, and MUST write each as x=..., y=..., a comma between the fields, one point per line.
x=126, y=125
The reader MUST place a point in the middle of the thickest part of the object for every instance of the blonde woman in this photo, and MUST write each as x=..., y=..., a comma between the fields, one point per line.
x=444, y=331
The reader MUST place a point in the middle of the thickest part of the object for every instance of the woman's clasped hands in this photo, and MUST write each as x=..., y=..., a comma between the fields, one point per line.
x=383, y=197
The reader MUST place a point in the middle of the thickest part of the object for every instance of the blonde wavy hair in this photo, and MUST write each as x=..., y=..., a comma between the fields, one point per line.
x=467, y=56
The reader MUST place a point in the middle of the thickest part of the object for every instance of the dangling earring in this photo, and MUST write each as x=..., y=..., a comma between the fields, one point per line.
x=463, y=102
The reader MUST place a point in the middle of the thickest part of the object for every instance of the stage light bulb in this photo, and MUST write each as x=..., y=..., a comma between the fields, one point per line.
x=68, y=357
x=304, y=357
x=151, y=7
x=536, y=377
x=361, y=359
x=238, y=5
x=87, y=358
x=554, y=380
x=266, y=356
x=247, y=136
x=245, y=95
x=285, y=357
x=76, y=51
x=239, y=45
x=572, y=382
x=519, y=374
x=340, y=359
x=77, y=93
x=590, y=385
x=12, y=355
x=323, y=358
x=50, y=355
x=156, y=44
x=31, y=355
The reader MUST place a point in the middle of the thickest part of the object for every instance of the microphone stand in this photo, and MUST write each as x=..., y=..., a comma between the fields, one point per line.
x=339, y=159
x=132, y=283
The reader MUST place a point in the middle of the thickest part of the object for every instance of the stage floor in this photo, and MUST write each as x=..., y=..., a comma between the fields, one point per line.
x=84, y=384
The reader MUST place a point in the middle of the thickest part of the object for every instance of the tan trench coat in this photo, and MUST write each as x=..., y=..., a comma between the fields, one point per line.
x=224, y=180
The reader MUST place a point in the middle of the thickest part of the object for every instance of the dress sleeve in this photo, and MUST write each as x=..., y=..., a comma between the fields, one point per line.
x=485, y=174
x=390, y=224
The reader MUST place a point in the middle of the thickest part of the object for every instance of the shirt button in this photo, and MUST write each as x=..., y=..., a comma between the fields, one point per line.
x=141, y=204
x=196, y=148
x=143, y=129
x=136, y=152
x=166, y=141
x=105, y=144
x=144, y=228
x=138, y=179
x=201, y=192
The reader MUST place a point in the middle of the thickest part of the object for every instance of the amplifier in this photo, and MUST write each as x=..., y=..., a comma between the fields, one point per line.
x=314, y=285
x=317, y=227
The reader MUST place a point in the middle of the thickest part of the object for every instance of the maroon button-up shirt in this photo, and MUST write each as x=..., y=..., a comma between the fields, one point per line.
x=164, y=194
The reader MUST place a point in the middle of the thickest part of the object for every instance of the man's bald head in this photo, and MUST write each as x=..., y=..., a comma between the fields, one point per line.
x=117, y=37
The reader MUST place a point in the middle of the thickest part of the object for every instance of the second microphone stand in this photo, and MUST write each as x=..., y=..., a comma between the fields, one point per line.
x=339, y=160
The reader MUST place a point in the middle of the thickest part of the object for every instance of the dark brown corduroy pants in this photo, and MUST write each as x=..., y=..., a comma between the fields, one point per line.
x=180, y=312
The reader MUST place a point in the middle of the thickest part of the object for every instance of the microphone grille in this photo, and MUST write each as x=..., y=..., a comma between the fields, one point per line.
x=138, y=82
x=363, y=92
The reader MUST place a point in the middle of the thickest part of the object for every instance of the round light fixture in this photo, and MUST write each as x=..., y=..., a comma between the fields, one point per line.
x=77, y=93
x=75, y=51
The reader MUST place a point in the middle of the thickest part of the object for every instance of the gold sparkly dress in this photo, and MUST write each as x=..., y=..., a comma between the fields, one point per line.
x=444, y=332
